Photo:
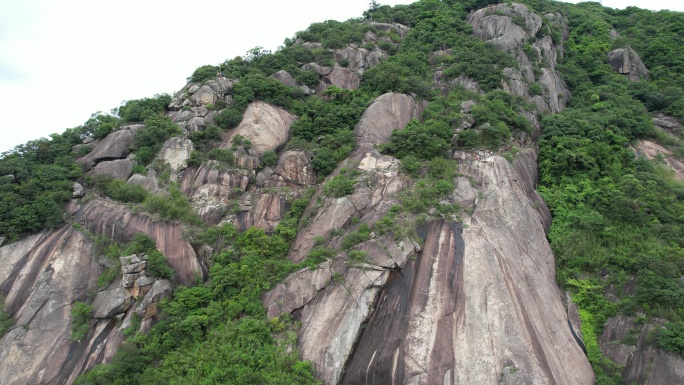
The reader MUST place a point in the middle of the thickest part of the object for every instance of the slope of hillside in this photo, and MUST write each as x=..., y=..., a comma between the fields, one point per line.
x=361, y=206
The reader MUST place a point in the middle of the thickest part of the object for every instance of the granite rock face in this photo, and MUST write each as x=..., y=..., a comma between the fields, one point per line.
x=267, y=127
x=117, y=222
x=41, y=277
x=478, y=303
x=627, y=343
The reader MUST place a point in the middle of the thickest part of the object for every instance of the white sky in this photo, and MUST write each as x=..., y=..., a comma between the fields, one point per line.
x=60, y=61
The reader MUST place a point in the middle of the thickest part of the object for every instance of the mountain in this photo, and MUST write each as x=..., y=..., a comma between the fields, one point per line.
x=447, y=192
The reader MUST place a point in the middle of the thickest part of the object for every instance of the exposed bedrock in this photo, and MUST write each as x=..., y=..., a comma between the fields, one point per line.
x=267, y=127
x=651, y=150
x=627, y=343
x=479, y=304
x=41, y=277
x=114, y=221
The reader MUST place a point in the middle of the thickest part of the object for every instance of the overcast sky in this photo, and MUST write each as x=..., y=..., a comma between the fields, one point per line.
x=60, y=61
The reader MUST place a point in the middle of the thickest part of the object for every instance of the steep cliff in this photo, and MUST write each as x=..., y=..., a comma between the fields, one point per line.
x=366, y=200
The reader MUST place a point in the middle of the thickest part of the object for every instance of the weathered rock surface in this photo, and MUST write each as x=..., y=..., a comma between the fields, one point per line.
x=159, y=290
x=627, y=344
x=114, y=146
x=651, y=150
x=175, y=152
x=668, y=123
x=108, y=303
x=116, y=222
x=77, y=191
x=267, y=213
x=297, y=290
x=295, y=166
x=149, y=182
x=360, y=59
x=399, y=29
x=210, y=189
x=475, y=302
x=495, y=24
x=267, y=127
x=387, y=113
x=41, y=277
x=119, y=168
x=627, y=62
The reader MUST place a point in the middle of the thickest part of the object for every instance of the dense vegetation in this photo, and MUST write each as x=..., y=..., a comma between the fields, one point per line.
x=618, y=223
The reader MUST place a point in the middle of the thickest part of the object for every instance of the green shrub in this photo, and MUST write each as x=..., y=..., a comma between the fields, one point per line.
x=536, y=89
x=141, y=109
x=228, y=118
x=150, y=139
x=355, y=237
x=81, y=314
x=117, y=189
x=6, y=321
x=240, y=141
x=410, y=165
x=221, y=155
x=671, y=337
x=172, y=207
x=339, y=186
x=270, y=158
x=423, y=140
x=203, y=73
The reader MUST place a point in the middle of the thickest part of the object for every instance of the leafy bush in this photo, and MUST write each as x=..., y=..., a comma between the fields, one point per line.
x=240, y=141
x=117, y=189
x=222, y=156
x=172, y=207
x=6, y=321
x=270, y=158
x=423, y=140
x=141, y=109
x=149, y=139
x=339, y=186
x=228, y=118
x=81, y=314
x=203, y=73
x=355, y=237
x=671, y=337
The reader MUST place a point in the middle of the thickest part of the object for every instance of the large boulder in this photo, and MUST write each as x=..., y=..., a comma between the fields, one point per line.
x=176, y=152
x=115, y=146
x=159, y=290
x=108, y=303
x=627, y=62
x=387, y=113
x=458, y=313
x=296, y=167
x=266, y=126
x=119, y=168
x=628, y=344
x=505, y=25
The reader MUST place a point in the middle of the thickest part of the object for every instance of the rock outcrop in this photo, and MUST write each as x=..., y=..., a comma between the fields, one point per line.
x=627, y=62
x=651, y=150
x=627, y=343
x=115, y=221
x=41, y=277
x=115, y=146
x=267, y=127
x=477, y=302
x=510, y=27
